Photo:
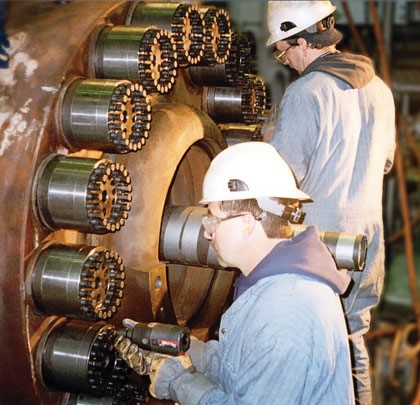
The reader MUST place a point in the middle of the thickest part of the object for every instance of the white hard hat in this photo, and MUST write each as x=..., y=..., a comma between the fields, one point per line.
x=249, y=170
x=287, y=18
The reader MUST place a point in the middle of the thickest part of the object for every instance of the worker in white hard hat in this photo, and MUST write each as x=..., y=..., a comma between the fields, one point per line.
x=336, y=130
x=284, y=338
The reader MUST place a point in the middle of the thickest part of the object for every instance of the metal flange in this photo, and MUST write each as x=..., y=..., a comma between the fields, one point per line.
x=231, y=73
x=217, y=35
x=253, y=100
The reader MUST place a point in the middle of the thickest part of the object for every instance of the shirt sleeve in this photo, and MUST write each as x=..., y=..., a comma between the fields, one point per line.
x=262, y=379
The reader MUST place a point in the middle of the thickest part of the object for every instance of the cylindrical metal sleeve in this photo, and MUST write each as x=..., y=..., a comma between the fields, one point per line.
x=117, y=52
x=79, y=357
x=183, y=21
x=231, y=73
x=182, y=238
x=78, y=281
x=349, y=250
x=209, y=75
x=84, y=194
x=109, y=115
x=157, y=13
x=143, y=54
x=223, y=104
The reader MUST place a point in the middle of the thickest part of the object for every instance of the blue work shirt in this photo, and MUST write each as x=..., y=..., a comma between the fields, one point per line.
x=282, y=341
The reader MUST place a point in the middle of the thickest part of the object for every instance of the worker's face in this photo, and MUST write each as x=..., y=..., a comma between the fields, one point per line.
x=291, y=56
x=223, y=235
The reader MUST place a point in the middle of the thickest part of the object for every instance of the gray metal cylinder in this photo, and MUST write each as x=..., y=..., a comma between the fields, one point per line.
x=348, y=250
x=183, y=21
x=143, y=54
x=182, y=238
x=108, y=115
x=79, y=357
x=84, y=194
x=244, y=104
x=223, y=104
x=231, y=73
x=78, y=281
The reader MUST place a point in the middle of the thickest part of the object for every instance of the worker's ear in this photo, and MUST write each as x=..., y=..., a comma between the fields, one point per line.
x=305, y=47
x=303, y=42
x=248, y=222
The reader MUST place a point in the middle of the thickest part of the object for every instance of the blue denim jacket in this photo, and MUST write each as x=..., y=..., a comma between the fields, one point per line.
x=283, y=341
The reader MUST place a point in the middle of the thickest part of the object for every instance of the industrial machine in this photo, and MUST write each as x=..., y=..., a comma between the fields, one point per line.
x=110, y=112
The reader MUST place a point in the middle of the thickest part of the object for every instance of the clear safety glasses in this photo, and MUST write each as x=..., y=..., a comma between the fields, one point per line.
x=211, y=222
x=278, y=56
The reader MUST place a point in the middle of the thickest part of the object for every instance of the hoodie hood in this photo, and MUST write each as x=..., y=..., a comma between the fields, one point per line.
x=356, y=70
x=305, y=254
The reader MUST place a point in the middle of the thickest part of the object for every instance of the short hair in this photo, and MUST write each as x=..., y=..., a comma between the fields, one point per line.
x=274, y=226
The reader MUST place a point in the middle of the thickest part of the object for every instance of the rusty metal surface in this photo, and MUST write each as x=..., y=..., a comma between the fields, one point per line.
x=51, y=43
x=44, y=42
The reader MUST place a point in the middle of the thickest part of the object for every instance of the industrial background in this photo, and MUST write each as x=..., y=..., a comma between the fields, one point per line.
x=110, y=114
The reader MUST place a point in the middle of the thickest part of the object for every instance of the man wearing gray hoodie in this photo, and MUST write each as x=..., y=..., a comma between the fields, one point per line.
x=336, y=130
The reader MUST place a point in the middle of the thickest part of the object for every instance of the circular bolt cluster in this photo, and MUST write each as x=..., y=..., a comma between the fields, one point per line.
x=217, y=36
x=239, y=61
x=129, y=117
x=157, y=61
x=131, y=394
x=253, y=100
x=187, y=32
x=101, y=284
x=105, y=372
x=108, y=196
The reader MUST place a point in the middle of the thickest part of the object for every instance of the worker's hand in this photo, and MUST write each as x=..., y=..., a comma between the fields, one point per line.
x=138, y=359
x=166, y=369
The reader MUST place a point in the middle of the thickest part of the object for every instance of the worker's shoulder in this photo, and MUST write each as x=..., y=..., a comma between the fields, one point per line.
x=314, y=84
x=292, y=287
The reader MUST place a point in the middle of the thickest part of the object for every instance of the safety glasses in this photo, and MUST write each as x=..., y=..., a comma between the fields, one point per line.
x=278, y=56
x=211, y=222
